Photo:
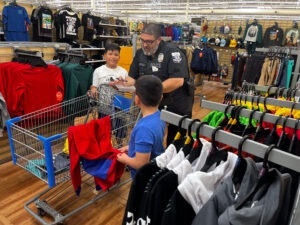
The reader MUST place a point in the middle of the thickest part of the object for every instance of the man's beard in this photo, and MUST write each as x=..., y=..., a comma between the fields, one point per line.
x=151, y=52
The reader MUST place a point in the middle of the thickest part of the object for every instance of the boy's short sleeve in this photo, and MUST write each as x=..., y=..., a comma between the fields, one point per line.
x=144, y=141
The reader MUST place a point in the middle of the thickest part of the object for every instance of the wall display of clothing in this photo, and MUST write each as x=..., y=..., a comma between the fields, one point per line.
x=15, y=22
x=66, y=22
x=42, y=24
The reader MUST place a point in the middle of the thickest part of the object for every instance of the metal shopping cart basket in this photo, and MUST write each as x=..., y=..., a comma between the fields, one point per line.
x=38, y=144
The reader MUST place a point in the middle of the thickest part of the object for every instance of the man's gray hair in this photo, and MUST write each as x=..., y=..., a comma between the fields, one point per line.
x=152, y=29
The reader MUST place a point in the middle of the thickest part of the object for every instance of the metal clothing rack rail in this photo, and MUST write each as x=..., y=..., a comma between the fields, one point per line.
x=266, y=88
x=34, y=44
x=255, y=148
x=268, y=117
x=266, y=100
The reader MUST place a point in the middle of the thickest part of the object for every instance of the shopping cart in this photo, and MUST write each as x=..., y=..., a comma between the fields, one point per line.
x=39, y=145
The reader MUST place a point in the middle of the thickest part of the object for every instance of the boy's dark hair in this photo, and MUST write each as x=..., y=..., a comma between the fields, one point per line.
x=112, y=47
x=149, y=89
x=152, y=29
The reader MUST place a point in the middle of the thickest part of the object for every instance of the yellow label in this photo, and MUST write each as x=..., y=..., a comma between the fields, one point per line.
x=177, y=137
x=187, y=140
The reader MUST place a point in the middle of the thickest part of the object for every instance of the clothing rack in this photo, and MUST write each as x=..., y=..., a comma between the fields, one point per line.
x=266, y=88
x=255, y=148
x=296, y=71
x=268, y=117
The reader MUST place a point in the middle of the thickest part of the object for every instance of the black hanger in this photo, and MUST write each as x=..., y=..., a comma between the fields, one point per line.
x=241, y=164
x=236, y=126
x=196, y=151
x=179, y=137
x=265, y=104
x=260, y=130
x=250, y=129
x=258, y=101
x=292, y=148
x=273, y=137
x=189, y=140
x=215, y=156
x=232, y=116
x=266, y=176
x=13, y=3
x=225, y=121
x=268, y=94
x=283, y=139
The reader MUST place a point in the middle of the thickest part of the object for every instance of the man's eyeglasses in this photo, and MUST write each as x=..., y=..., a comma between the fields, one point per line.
x=148, y=42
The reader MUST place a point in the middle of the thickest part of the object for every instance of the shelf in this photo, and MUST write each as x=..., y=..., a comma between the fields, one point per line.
x=111, y=25
x=83, y=49
x=116, y=37
x=95, y=61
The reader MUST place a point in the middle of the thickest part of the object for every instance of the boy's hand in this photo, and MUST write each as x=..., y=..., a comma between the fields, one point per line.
x=123, y=149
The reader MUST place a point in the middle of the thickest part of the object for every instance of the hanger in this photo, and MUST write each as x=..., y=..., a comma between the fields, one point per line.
x=189, y=140
x=250, y=129
x=226, y=119
x=13, y=3
x=236, y=127
x=265, y=104
x=283, y=139
x=179, y=137
x=260, y=131
x=265, y=179
x=216, y=155
x=292, y=148
x=196, y=151
x=241, y=164
x=273, y=137
x=232, y=116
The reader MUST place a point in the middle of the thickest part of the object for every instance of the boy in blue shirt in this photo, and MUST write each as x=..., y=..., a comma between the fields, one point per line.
x=147, y=137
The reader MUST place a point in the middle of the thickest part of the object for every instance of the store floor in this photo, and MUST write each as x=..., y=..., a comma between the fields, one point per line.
x=18, y=186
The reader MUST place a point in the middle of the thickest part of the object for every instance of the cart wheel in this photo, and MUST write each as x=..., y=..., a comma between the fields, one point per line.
x=41, y=212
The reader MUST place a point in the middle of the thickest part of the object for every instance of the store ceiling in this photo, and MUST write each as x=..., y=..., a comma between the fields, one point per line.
x=181, y=10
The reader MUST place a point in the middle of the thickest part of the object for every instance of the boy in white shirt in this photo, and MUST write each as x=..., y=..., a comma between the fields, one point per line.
x=109, y=72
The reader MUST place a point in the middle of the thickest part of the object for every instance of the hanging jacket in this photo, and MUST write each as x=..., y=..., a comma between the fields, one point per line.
x=204, y=61
x=273, y=36
x=269, y=209
x=253, y=33
x=226, y=195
